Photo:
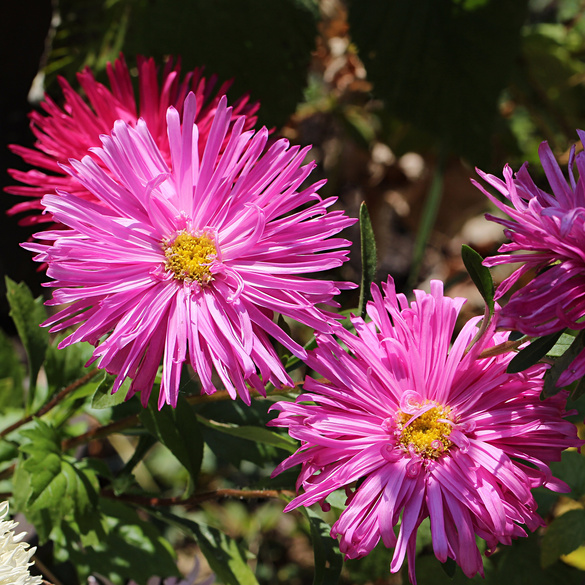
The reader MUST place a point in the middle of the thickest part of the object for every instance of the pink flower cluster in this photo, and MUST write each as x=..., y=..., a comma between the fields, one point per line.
x=182, y=233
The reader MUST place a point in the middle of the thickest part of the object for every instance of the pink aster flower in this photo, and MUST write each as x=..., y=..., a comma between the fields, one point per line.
x=547, y=234
x=414, y=427
x=190, y=261
x=69, y=132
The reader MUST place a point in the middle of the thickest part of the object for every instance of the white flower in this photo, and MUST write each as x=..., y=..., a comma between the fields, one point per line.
x=14, y=555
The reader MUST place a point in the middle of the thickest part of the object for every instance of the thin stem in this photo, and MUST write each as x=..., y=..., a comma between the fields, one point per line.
x=198, y=499
x=51, y=404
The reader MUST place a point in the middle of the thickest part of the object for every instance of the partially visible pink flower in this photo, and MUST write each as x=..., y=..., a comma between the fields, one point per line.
x=547, y=234
x=414, y=427
x=189, y=262
x=68, y=132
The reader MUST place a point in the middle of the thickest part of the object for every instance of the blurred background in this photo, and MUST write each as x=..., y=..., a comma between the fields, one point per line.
x=401, y=100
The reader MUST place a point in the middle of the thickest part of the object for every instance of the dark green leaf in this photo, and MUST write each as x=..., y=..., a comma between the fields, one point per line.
x=64, y=366
x=532, y=354
x=561, y=364
x=440, y=67
x=571, y=469
x=225, y=557
x=328, y=559
x=11, y=376
x=256, y=434
x=132, y=549
x=565, y=534
x=103, y=397
x=480, y=275
x=178, y=430
x=27, y=314
x=369, y=259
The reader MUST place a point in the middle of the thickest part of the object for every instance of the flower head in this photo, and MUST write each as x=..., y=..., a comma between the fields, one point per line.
x=547, y=234
x=426, y=430
x=69, y=132
x=190, y=261
x=15, y=555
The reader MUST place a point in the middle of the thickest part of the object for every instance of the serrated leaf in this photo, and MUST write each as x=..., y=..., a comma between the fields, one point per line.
x=28, y=314
x=103, y=397
x=369, y=259
x=328, y=558
x=480, y=275
x=532, y=354
x=561, y=364
x=178, y=430
x=565, y=534
x=225, y=557
x=255, y=434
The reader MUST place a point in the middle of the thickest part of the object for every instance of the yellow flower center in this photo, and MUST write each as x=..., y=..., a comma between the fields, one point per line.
x=190, y=257
x=427, y=434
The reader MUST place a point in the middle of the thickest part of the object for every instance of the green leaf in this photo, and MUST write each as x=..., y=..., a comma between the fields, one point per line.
x=533, y=353
x=64, y=366
x=440, y=67
x=565, y=534
x=178, y=430
x=561, y=346
x=328, y=559
x=132, y=548
x=571, y=469
x=369, y=259
x=561, y=364
x=256, y=434
x=27, y=314
x=103, y=397
x=225, y=557
x=480, y=275
x=11, y=376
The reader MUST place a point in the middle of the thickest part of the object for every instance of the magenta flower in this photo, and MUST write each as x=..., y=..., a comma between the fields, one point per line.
x=426, y=430
x=548, y=237
x=190, y=262
x=69, y=132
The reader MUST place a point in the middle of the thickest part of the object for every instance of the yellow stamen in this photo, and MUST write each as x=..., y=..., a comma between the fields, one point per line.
x=189, y=257
x=426, y=433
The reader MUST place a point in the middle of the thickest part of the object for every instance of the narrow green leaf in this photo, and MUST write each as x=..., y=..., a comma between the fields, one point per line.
x=533, y=353
x=564, y=342
x=251, y=433
x=561, y=364
x=565, y=534
x=28, y=313
x=225, y=557
x=369, y=259
x=480, y=275
x=178, y=430
x=328, y=559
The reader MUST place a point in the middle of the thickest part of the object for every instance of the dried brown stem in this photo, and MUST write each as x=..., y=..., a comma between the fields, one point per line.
x=501, y=348
x=198, y=499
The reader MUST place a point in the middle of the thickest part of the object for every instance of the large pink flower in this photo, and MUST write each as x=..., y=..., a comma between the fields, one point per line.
x=414, y=427
x=547, y=234
x=190, y=262
x=69, y=132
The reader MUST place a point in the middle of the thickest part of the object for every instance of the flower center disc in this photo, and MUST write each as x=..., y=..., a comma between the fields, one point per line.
x=426, y=433
x=190, y=257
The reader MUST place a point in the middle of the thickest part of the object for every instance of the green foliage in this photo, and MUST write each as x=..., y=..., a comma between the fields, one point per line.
x=52, y=486
x=369, y=259
x=561, y=364
x=178, y=430
x=564, y=535
x=225, y=557
x=27, y=314
x=328, y=559
x=440, y=66
x=11, y=376
x=480, y=275
x=533, y=353
x=571, y=468
x=231, y=38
